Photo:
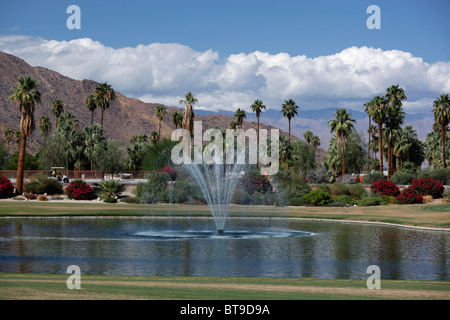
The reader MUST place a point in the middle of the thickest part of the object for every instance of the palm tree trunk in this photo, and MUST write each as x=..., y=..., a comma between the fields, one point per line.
x=92, y=118
x=343, y=166
x=444, y=165
x=368, y=149
x=159, y=130
x=101, y=121
x=289, y=130
x=380, y=146
x=20, y=167
x=257, y=142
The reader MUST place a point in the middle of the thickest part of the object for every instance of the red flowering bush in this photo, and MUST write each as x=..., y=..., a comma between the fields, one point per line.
x=171, y=171
x=254, y=182
x=385, y=188
x=409, y=196
x=80, y=190
x=428, y=187
x=6, y=187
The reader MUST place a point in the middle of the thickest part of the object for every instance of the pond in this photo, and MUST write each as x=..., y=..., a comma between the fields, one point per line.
x=260, y=247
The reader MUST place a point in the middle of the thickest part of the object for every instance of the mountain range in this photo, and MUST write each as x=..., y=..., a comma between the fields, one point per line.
x=128, y=116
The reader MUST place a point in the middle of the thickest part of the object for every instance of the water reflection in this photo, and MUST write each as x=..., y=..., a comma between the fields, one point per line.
x=325, y=250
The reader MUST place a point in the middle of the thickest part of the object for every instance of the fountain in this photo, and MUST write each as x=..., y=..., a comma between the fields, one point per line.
x=218, y=182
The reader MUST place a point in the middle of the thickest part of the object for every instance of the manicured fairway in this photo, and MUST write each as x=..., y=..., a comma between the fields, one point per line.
x=48, y=287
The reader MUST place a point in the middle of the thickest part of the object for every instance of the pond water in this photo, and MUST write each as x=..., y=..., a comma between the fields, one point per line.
x=250, y=248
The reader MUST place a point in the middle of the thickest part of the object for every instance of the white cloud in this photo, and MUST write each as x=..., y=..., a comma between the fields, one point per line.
x=164, y=72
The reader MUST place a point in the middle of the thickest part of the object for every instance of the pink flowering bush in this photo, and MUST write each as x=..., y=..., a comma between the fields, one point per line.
x=385, y=187
x=80, y=190
x=171, y=171
x=428, y=187
x=6, y=187
x=409, y=196
x=254, y=182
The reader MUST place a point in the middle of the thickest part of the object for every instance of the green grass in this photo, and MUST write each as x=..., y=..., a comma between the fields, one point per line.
x=48, y=287
x=429, y=215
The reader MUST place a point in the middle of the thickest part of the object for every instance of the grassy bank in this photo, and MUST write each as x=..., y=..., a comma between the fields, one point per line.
x=48, y=287
x=428, y=215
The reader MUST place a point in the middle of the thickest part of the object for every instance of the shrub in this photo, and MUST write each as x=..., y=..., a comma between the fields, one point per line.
x=6, y=187
x=428, y=187
x=80, y=190
x=30, y=196
x=324, y=187
x=402, y=178
x=357, y=191
x=318, y=175
x=43, y=184
x=388, y=200
x=370, y=201
x=372, y=177
x=255, y=182
x=186, y=190
x=42, y=198
x=385, y=187
x=339, y=188
x=111, y=189
x=155, y=189
x=409, y=195
x=440, y=174
x=317, y=197
x=171, y=171
x=343, y=199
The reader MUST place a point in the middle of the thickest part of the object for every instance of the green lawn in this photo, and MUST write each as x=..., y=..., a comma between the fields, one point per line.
x=49, y=287
x=429, y=215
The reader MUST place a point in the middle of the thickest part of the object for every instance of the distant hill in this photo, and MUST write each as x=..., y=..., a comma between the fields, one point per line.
x=125, y=117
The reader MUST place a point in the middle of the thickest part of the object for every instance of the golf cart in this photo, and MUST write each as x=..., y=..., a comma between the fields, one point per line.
x=56, y=173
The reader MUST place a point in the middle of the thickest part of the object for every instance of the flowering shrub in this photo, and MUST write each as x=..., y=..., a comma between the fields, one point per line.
x=428, y=187
x=6, y=187
x=256, y=183
x=80, y=190
x=30, y=196
x=409, y=195
x=171, y=171
x=385, y=187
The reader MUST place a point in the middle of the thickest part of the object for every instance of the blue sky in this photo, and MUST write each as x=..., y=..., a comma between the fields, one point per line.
x=234, y=52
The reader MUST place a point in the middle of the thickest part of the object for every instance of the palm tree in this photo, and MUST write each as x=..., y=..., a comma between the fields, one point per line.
x=315, y=141
x=441, y=112
x=240, y=116
x=142, y=138
x=257, y=107
x=289, y=110
x=378, y=113
x=57, y=110
x=67, y=118
x=341, y=125
x=9, y=133
x=160, y=113
x=104, y=94
x=26, y=95
x=188, y=112
x=373, y=130
x=308, y=135
x=94, y=143
x=154, y=137
x=45, y=126
x=91, y=105
x=234, y=125
x=177, y=119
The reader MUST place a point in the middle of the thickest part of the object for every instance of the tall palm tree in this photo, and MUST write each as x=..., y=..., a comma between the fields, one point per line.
x=188, y=113
x=240, y=115
x=373, y=130
x=378, y=113
x=9, y=133
x=104, y=94
x=367, y=106
x=289, y=110
x=341, y=125
x=154, y=137
x=234, y=125
x=441, y=112
x=308, y=135
x=91, y=105
x=45, y=126
x=69, y=119
x=257, y=107
x=395, y=117
x=177, y=119
x=58, y=109
x=26, y=95
x=160, y=113
x=315, y=141
x=94, y=143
